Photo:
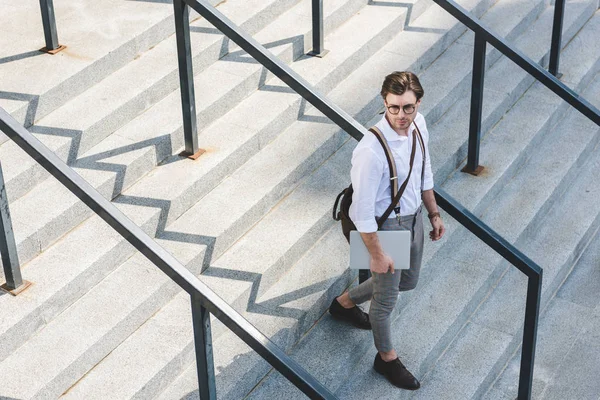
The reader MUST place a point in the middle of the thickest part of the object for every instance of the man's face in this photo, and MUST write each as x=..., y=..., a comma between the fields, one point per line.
x=401, y=110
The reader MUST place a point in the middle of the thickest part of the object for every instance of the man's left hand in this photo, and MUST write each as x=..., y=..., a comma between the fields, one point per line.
x=438, y=229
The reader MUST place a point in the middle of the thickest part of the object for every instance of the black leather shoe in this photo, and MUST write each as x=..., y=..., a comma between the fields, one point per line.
x=354, y=315
x=396, y=373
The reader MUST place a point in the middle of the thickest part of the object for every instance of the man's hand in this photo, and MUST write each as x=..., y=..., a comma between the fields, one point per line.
x=438, y=229
x=380, y=264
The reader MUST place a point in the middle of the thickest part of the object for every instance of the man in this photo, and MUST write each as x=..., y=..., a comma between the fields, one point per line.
x=370, y=175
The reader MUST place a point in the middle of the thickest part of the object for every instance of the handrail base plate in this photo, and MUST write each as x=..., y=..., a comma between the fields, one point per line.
x=476, y=172
x=53, y=52
x=194, y=156
x=17, y=291
x=320, y=55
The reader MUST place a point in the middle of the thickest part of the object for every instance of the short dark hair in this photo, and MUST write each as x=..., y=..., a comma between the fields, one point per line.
x=400, y=82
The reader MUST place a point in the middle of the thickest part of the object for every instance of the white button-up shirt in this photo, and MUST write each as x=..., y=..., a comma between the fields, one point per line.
x=370, y=175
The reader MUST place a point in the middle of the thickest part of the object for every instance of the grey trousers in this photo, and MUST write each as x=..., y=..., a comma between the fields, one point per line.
x=383, y=289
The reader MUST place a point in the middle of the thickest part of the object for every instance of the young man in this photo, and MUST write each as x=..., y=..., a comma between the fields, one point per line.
x=370, y=175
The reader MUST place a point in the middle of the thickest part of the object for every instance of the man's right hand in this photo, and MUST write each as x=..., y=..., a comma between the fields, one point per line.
x=381, y=264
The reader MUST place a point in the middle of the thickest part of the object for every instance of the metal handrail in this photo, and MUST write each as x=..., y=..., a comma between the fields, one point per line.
x=202, y=297
x=204, y=300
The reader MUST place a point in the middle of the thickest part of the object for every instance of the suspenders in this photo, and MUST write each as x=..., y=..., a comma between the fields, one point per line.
x=398, y=192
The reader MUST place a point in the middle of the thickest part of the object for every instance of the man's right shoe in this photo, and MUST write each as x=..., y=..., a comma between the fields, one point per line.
x=396, y=373
x=354, y=315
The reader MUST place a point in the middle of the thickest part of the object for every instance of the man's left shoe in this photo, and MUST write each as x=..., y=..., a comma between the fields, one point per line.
x=396, y=373
x=354, y=315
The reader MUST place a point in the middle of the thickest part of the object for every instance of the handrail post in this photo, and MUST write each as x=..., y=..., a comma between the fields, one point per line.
x=318, y=49
x=186, y=79
x=555, y=46
x=49, y=24
x=204, y=354
x=532, y=311
x=10, y=259
x=473, y=166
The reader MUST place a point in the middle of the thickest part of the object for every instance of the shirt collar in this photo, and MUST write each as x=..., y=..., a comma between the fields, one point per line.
x=389, y=133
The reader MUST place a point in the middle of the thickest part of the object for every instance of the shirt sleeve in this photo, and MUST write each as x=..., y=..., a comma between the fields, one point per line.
x=428, y=178
x=366, y=173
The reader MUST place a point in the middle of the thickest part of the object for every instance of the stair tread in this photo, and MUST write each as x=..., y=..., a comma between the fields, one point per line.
x=90, y=30
x=112, y=309
x=218, y=81
x=219, y=279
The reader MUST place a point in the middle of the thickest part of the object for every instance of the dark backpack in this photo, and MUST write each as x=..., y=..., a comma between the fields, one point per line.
x=344, y=199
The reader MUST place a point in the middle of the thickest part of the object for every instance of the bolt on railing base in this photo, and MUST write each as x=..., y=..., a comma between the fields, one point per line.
x=474, y=172
x=322, y=54
x=194, y=156
x=17, y=291
x=53, y=52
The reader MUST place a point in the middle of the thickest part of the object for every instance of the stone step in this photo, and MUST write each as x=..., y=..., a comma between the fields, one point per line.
x=266, y=195
x=504, y=85
x=255, y=270
x=463, y=275
x=569, y=318
x=510, y=21
x=140, y=145
x=101, y=37
x=65, y=272
x=554, y=251
x=72, y=342
x=151, y=83
x=135, y=149
x=293, y=305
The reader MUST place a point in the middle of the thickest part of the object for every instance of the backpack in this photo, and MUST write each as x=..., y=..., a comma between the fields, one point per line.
x=344, y=199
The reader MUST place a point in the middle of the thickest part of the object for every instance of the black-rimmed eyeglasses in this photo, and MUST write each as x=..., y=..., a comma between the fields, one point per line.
x=408, y=109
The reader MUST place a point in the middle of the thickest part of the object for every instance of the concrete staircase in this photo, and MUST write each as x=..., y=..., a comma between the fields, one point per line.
x=252, y=216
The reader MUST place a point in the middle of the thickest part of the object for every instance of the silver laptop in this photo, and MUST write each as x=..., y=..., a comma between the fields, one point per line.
x=396, y=244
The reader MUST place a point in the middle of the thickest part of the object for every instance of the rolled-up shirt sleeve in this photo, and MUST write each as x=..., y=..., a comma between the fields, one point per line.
x=428, y=177
x=366, y=173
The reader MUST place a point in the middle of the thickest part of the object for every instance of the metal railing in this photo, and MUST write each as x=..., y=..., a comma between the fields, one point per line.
x=356, y=130
x=484, y=35
x=49, y=24
x=203, y=300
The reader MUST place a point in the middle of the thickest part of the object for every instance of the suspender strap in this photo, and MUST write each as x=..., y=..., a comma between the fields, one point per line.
x=396, y=193
x=396, y=199
x=390, y=159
